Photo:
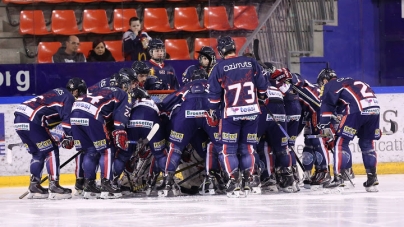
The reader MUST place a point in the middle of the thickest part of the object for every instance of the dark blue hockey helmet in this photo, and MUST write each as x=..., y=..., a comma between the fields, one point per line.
x=209, y=53
x=129, y=72
x=326, y=74
x=225, y=44
x=156, y=44
x=140, y=93
x=140, y=67
x=198, y=74
x=78, y=84
x=113, y=79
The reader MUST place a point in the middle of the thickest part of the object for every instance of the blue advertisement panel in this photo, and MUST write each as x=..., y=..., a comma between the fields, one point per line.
x=35, y=79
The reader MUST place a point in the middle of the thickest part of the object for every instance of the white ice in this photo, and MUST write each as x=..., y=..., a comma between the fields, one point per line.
x=354, y=207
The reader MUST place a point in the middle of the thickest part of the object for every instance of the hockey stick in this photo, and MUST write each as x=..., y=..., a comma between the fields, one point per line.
x=191, y=176
x=61, y=166
x=151, y=134
x=256, y=44
x=287, y=136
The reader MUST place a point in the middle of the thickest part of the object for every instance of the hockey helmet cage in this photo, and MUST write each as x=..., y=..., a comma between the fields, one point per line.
x=156, y=44
x=327, y=74
x=140, y=67
x=129, y=72
x=198, y=74
x=208, y=52
x=140, y=93
x=78, y=84
x=225, y=44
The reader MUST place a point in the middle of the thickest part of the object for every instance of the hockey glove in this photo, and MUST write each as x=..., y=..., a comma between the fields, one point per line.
x=67, y=142
x=211, y=118
x=281, y=75
x=263, y=98
x=120, y=139
x=326, y=132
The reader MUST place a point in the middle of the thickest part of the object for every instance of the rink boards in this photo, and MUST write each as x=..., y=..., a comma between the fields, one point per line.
x=14, y=160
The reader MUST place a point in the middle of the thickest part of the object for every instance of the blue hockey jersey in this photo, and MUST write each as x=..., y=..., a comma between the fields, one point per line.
x=235, y=82
x=106, y=104
x=49, y=109
x=103, y=83
x=163, y=72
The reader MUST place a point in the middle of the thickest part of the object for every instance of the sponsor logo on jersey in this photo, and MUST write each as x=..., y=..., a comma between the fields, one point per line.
x=161, y=72
x=194, y=113
x=176, y=136
x=21, y=126
x=159, y=145
x=100, y=144
x=292, y=138
x=284, y=141
x=24, y=110
x=371, y=111
x=44, y=145
x=140, y=124
x=77, y=144
x=79, y=121
x=252, y=138
x=278, y=117
x=87, y=107
x=216, y=135
x=378, y=134
x=245, y=118
x=58, y=91
x=242, y=110
x=292, y=118
x=348, y=131
x=237, y=66
x=228, y=137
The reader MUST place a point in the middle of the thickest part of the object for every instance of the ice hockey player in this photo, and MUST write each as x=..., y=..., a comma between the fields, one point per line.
x=33, y=119
x=237, y=83
x=162, y=75
x=315, y=152
x=293, y=110
x=206, y=59
x=110, y=81
x=186, y=118
x=89, y=119
x=361, y=119
x=144, y=115
x=142, y=71
x=273, y=145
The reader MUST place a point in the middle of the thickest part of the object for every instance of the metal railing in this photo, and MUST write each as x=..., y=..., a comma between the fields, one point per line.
x=287, y=29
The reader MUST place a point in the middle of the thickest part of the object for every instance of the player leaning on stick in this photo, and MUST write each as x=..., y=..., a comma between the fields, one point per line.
x=236, y=83
x=33, y=119
x=361, y=118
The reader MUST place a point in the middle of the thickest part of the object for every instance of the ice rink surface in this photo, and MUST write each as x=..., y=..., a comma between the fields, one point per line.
x=354, y=207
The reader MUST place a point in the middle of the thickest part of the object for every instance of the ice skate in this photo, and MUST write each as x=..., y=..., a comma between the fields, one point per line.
x=220, y=186
x=372, y=182
x=171, y=189
x=233, y=189
x=109, y=191
x=36, y=191
x=335, y=186
x=208, y=186
x=79, y=186
x=287, y=182
x=347, y=175
x=269, y=184
x=295, y=171
x=307, y=179
x=91, y=191
x=58, y=192
x=116, y=182
x=320, y=178
x=255, y=185
x=151, y=183
x=245, y=184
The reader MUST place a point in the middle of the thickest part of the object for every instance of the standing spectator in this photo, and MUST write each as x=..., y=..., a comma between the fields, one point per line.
x=99, y=52
x=135, y=42
x=68, y=53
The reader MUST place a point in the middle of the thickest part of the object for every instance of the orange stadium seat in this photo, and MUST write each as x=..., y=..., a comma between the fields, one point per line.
x=200, y=42
x=186, y=19
x=64, y=23
x=46, y=50
x=51, y=1
x=18, y=1
x=116, y=49
x=122, y=17
x=32, y=22
x=147, y=0
x=96, y=21
x=245, y=17
x=177, y=49
x=85, y=48
x=156, y=20
x=82, y=1
x=239, y=42
x=215, y=18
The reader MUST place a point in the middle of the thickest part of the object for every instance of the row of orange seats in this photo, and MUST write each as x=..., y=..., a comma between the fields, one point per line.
x=87, y=1
x=177, y=48
x=63, y=22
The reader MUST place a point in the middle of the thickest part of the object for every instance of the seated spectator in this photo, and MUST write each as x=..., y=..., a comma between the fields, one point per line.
x=135, y=42
x=68, y=53
x=99, y=52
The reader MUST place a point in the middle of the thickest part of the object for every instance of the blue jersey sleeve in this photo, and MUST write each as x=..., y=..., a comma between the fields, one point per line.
x=122, y=109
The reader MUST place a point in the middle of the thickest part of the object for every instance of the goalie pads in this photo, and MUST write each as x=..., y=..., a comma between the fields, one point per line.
x=120, y=139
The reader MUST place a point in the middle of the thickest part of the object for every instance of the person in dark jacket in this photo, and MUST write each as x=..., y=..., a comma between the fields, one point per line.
x=135, y=42
x=99, y=52
x=68, y=53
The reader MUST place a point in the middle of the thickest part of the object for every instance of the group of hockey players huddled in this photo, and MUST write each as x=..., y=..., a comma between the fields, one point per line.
x=238, y=116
